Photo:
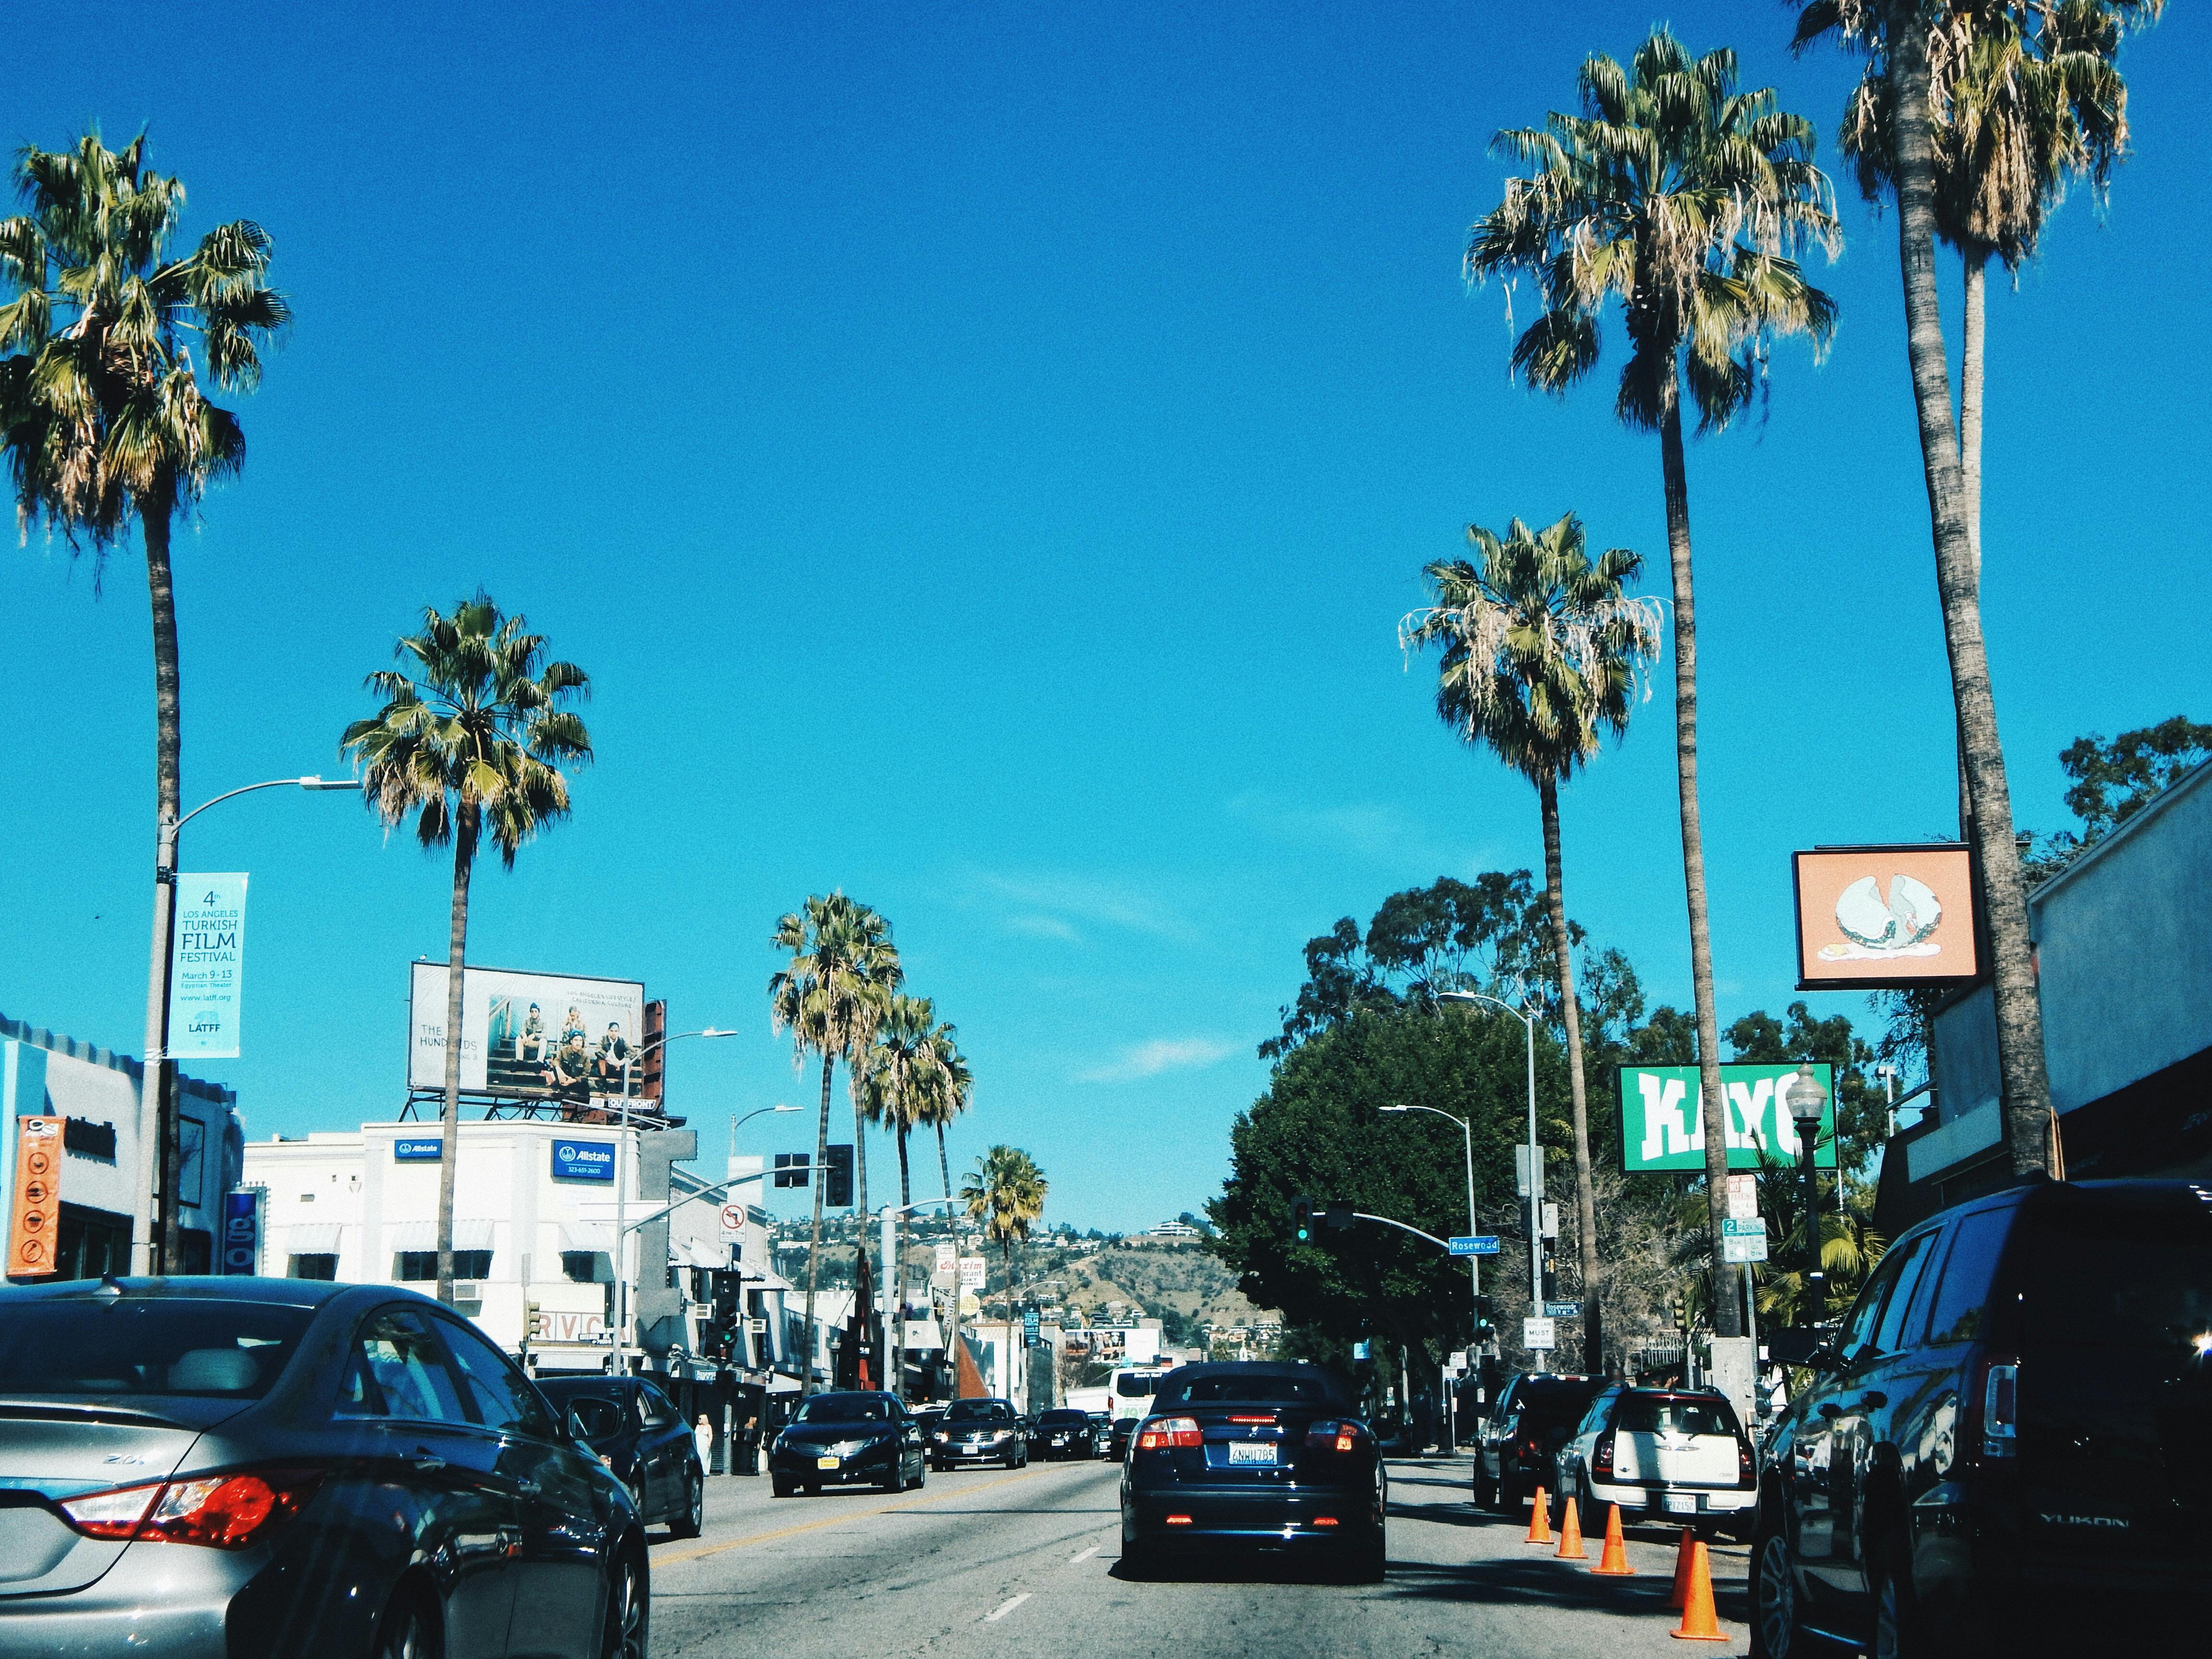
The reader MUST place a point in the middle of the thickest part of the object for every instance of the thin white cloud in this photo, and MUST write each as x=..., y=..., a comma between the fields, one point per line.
x=1038, y=927
x=1370, y=829
x=1051, y=906
x=1145, y=1060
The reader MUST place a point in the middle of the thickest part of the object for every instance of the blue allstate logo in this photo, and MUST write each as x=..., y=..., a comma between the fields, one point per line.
x=566, y=1154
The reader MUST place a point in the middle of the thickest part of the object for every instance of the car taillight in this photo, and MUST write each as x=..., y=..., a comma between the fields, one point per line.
x=1601, y=1456
x=2000, y=1408
x=223, y=1511
x=1167, y=1431
x=1335, y=1437
x=1743, y=1469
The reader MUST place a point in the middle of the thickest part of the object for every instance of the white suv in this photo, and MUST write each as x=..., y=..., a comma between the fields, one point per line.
x=1662, y=1455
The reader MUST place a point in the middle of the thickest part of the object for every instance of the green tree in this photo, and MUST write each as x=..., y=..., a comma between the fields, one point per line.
x=470, y=742
x=1685, y=199
x=1543, y=651
x=1005, y=1195
x=843, y=970
x=105, y=420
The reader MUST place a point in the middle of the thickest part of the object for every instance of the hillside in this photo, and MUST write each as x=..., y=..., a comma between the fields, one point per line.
x=1178, y=1283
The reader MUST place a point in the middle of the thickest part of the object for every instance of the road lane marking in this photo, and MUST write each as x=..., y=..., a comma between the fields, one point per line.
x=1005, y=1607
x=1083, y=1556
x=661, y=1558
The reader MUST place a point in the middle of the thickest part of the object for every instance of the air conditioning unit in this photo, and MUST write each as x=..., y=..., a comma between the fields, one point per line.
x=468, y=1290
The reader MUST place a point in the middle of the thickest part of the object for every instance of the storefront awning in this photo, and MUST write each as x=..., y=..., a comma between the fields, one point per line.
x=597, y=1237
x=313, y=1237
x=419, y=1236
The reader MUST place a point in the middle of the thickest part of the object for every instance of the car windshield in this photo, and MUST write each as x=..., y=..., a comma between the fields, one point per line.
x=843, y=1408
x=1237, y=1388
x=1060, y=1419
x=133, y=1345
x=980, y=1411
x=1669, y=1413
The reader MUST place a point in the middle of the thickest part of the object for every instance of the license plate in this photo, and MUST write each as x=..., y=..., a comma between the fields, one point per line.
x=825, y=1463
x=1679, y=1502
x=1252, y=1451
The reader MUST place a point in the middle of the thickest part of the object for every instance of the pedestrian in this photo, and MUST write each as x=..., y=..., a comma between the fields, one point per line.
x=703, y=1437
x=748, y=1439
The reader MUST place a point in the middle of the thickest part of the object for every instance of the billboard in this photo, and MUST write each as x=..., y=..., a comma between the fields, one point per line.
x=1886, y=917
x=1662, y=1118
x=554, y=1034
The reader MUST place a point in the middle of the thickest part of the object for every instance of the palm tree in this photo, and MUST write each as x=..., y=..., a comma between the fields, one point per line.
x=472, y=741
x=893, y=1084
x=1685, y=199
x=951, y=1088
x=1005, y=1193
x=104, y=420
x=843, y=970
x=1542, y=651
x=1898, y=33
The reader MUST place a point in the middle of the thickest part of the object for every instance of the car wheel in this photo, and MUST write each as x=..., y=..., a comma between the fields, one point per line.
x=1509, y=1494
x=403, y=1632
x=1896, y=1613
x=783, y=1488
x=1486, y=1489
x=691, y=1520
x=627, y=1612
x=813, y=1488
x=1139, y=1558
x=1773, y=1592
x=921, y=1477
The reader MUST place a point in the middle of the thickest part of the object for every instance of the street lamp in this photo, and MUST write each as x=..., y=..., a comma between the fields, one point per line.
x=1805, y=1098
x=1535, y=1157
x=1467, y=1133
x=154, y=1092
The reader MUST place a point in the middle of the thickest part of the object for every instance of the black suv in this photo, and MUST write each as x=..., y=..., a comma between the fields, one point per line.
x=1536, y=1413
x=2011, y=1436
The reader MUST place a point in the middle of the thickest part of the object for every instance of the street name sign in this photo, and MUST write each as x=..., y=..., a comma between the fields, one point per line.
x=1563, y=1310
x=1474, y=1245
x=1537, y=1334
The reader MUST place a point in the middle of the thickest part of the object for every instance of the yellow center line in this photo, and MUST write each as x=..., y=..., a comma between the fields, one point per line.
x=661, y=1556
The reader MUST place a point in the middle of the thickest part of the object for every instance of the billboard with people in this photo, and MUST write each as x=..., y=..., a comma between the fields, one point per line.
x=560, y=1035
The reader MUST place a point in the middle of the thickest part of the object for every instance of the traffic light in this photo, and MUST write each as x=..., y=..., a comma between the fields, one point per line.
x=1339, y=1214
x=1551, y=1274
x=837, y=1177
x=793, y=1168
x=653, y=1046
x=1301, y=1219
x=1682, y=1310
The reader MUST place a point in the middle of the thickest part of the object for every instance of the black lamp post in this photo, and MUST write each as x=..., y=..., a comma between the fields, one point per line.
x=1805, y=1098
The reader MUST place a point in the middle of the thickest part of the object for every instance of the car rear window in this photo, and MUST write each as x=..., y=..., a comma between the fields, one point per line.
x=1135, y=1387
x=1551, y=1401
x=596, y=1417
x=98, y=1345
x=1674, y=1414
x=842, y=1408
x=2117, y=1274
x=1230, y=1389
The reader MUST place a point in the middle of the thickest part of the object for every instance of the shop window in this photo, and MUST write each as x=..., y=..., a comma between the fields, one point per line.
x=325, y=1266
x=414, y=1266
x=587, y=1267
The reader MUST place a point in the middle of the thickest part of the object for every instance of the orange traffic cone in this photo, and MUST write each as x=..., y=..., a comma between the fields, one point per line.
x=1698, y=1622
x=1613, y=1562
x=1570, y=1536
x=1540, y=1520
x=1681, y=1572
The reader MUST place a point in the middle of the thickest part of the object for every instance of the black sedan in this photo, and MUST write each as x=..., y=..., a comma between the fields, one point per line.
x=848, y=1438
x=1064, y=1433
x=244, y=1468
x=1259, y=1455
x=644, y=1440
x=979, y=1432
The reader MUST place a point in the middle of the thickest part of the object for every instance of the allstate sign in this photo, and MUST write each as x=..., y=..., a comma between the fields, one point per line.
x=415, y=1152
x=583, y=1160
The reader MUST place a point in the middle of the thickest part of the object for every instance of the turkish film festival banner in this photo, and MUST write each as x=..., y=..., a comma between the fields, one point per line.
x=207, y=967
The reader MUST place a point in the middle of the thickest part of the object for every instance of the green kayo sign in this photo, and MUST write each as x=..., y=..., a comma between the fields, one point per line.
x=1662, y=1119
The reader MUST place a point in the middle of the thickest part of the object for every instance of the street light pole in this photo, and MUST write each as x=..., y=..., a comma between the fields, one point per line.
x=156, y=1087
x=622, y=1192
x=1467, y=1133
x=1805, y=1098
x=1535, y=1156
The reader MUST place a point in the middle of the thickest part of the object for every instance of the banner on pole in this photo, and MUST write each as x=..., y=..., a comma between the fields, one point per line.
x=207, y=967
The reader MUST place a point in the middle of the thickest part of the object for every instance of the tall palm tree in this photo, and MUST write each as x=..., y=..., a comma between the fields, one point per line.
x=1687, y=200
x=843, y=970
x=472, y=741
x=953, y=1087
x=1005, y=1194
x=893, y=1084
x=1543, y=651
x=1898, y=33
x=105, y=420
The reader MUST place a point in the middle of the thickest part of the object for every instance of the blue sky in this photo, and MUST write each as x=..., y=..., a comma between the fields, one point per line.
x=981, y=454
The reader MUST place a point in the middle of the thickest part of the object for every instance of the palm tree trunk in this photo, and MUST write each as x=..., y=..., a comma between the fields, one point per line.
x=158, y=1112
x=944, y=1168
x=896, y=1363
x=859, y=1155
x=1975, y=262
x=449, y=1115
x=2012, y=965
x=952, y=1300
x=814, y=1238
x=1585, y=1198
x=1728, y=1319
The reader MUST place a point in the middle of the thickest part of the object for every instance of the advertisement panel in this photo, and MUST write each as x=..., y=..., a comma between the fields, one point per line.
x=555, y=1034
x=36, y=1220
x=1662, y=1118
x=1871, y=918
x=584, y=1160
x=206, y=962
x=241, y=1232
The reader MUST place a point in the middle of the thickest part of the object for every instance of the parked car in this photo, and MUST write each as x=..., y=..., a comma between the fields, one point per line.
x=644, y=1440
x=2009, y=1447
x=1063, y=1433
x=848, y=1436
x=979, y=1432
x=1259, y=1455
x=255, y=1468
x=1661, y=1454
x=1535, y=1413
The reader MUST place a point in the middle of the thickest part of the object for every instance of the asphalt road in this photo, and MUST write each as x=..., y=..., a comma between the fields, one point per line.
x=1024, y=1563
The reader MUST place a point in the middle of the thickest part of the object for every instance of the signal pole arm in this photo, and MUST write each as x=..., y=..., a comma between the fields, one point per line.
x=1362, y=1215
